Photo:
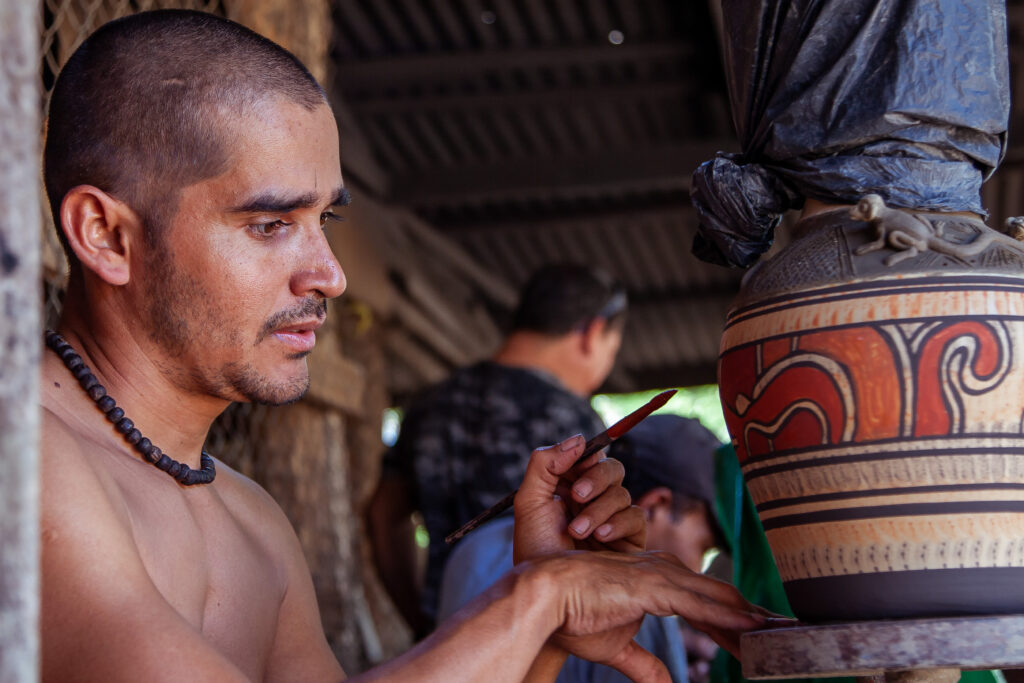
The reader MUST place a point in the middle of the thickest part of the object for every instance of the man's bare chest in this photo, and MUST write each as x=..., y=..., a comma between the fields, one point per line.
x=216, y=573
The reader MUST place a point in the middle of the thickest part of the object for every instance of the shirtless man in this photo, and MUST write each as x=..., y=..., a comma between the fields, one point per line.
x=191, y=166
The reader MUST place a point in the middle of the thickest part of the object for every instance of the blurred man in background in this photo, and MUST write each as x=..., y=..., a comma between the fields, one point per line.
x=464, y=443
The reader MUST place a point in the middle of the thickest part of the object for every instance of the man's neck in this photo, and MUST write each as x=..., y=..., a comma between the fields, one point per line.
x=549, y=354
x=138, y=376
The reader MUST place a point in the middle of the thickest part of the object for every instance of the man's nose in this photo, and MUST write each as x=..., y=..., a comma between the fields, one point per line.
x=320, y=271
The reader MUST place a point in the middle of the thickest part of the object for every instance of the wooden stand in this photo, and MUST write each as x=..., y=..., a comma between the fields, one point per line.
x=903, y=650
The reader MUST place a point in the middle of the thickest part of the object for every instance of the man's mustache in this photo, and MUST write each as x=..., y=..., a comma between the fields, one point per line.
x=311, y=307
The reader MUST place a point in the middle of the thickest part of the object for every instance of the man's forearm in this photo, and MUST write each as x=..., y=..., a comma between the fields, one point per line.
x=497, y=637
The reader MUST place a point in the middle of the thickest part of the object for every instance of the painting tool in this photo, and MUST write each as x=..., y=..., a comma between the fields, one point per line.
x=593, y=446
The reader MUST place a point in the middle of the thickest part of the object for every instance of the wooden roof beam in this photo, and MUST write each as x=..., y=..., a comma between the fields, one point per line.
x=633, y=169
x=417, y=69
x=551, y=99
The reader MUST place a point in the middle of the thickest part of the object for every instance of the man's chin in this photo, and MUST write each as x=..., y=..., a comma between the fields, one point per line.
x=275, y=401
x=264, y=391
x=286, y=396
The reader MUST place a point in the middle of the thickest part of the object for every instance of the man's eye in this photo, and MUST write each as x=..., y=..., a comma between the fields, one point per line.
x=267, y=229
x=329, y=216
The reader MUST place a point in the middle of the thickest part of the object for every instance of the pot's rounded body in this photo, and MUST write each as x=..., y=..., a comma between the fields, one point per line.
x=877, y=414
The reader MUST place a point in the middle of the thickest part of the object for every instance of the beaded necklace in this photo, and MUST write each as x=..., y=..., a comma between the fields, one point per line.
x=124, y=426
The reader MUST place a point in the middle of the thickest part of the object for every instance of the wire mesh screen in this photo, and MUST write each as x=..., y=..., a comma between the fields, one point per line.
x=65, y=24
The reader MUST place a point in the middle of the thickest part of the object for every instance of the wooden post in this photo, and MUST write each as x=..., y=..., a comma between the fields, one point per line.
x=20, y=343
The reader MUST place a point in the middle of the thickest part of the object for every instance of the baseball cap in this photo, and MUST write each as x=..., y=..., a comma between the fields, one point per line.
x=675, y=452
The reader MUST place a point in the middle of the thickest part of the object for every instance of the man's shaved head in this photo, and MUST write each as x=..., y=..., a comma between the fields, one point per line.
x=141, y=108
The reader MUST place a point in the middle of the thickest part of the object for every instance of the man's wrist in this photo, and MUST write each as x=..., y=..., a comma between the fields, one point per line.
x=541, y=585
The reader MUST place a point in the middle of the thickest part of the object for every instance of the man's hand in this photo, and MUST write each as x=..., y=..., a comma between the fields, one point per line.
x=602, y=595
x=560, y=507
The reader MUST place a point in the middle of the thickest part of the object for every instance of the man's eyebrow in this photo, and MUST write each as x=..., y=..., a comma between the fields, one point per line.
x=275, y=202
x=341, y=197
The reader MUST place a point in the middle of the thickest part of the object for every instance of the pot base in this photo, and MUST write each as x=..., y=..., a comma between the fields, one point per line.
x=898, y=595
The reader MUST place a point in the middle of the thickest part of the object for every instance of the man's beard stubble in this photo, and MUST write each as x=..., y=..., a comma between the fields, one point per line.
x=179, y=318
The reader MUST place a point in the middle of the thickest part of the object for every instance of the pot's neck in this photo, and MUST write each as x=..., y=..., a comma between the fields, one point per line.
x=813, y=207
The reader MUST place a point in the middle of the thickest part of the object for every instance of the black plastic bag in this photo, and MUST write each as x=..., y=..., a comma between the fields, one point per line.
x=835, y=99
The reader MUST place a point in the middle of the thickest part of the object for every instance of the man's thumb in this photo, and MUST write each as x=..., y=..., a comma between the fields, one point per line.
x=639, y=665
x=544, y=469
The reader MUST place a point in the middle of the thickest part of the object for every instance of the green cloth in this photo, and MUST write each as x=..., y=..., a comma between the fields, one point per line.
x=754, y=571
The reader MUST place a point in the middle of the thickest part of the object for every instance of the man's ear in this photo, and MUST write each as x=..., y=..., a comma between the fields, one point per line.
x=659, y=495
x=591, y=333
x=100, y=230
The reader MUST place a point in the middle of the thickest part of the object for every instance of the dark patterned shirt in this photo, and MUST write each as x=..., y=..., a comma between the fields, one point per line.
x=465, y=442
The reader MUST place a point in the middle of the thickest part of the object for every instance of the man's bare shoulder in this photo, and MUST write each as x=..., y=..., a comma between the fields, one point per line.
x=251, y=503
x=71, y=480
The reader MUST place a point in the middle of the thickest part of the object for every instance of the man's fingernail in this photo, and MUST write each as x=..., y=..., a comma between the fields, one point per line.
x=570, y=443
x=581, y=525
x=603, y=530
x=583, y=488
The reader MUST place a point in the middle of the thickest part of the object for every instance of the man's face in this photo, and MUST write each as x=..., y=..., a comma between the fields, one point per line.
x=687, y=536
x=239, y=280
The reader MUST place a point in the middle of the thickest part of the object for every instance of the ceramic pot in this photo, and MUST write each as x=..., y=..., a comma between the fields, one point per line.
x=872, y=376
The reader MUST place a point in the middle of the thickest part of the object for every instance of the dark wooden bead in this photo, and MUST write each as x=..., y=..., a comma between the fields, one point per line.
x=51, y=338
x=106, y=403
x=183, y=473
x=88, y=382
x=164, y=463
x=96, y=391
x=66, y=353
x=174, y=469
x=115, y=414
x=81, y=372
x=154, y=455
x=75, y=363
x=124, y=425
x=144, y=446
x=133, y=436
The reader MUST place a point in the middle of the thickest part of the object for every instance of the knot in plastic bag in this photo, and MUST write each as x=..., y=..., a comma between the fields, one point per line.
x=740, y=205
